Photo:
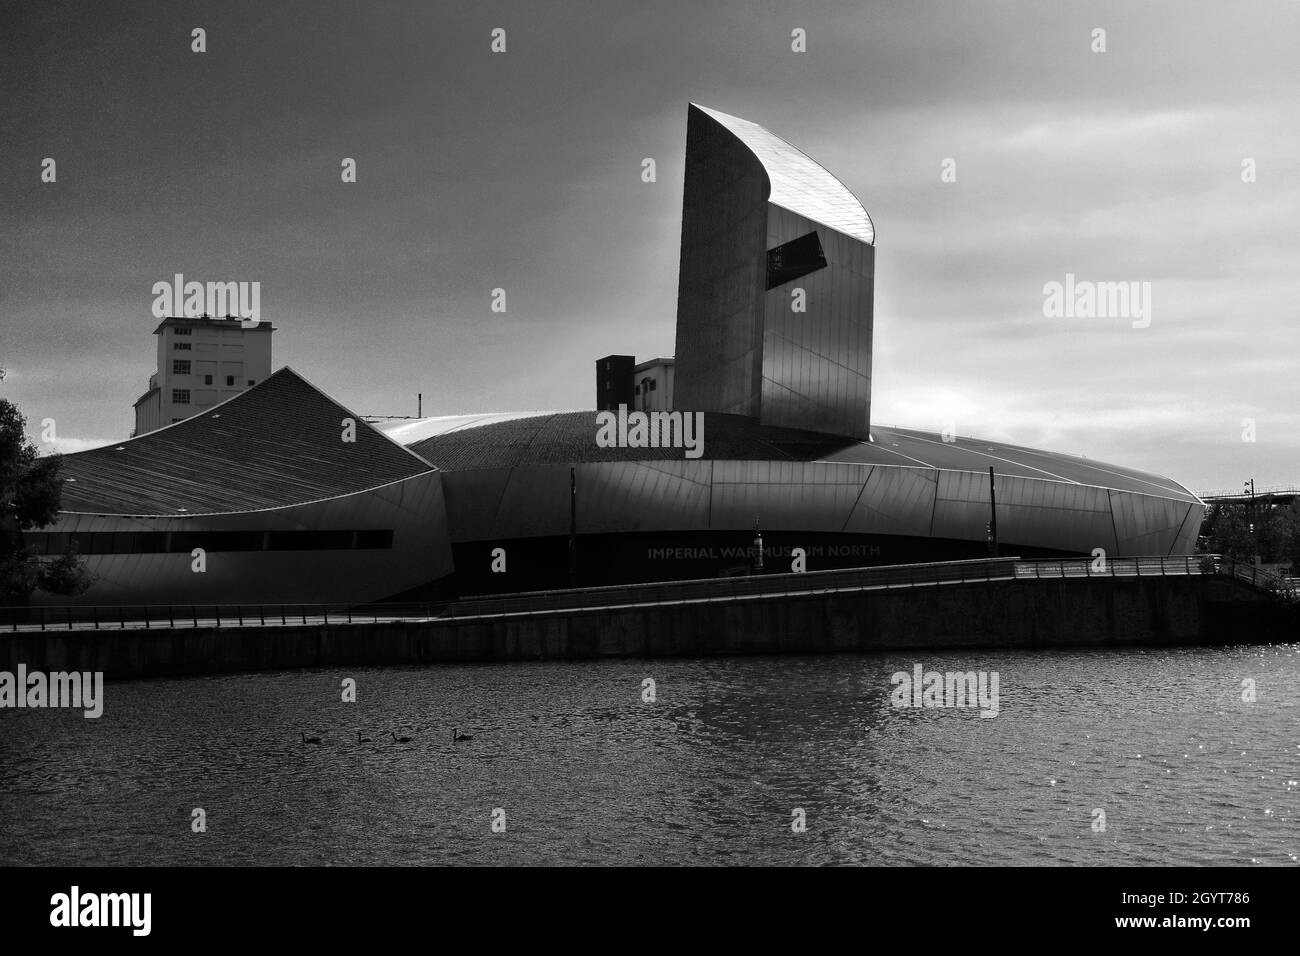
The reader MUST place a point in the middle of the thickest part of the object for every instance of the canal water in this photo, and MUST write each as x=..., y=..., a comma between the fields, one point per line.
x=1094, y=757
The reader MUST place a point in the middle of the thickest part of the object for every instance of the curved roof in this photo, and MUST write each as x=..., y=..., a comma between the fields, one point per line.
x=569, y=438
x=409, y=432
x=798, y=183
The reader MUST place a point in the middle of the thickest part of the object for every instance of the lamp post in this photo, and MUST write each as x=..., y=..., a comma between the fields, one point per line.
x=1249, y=488
x=993, y=517
x=573, y=528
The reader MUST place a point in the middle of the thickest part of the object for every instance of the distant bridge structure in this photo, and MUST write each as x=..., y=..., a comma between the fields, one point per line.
x=1279, y=494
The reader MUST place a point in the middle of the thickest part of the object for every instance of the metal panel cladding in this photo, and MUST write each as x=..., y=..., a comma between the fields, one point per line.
x=817, y=336
x=413, y=509
x=798, y=183
x=743, y=348
x=723, y=272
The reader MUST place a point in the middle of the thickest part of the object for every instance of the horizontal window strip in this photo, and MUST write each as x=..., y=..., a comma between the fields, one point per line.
x=170, y=542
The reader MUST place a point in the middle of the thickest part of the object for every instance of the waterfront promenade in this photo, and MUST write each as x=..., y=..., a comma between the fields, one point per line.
x=999, y=602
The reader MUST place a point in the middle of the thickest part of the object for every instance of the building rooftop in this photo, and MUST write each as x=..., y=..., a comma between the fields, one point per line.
x=207, y=321
x=799, y=183
x=469, y=442
x=278, y=443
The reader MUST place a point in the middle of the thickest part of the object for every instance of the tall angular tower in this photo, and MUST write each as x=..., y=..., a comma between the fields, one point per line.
x=774, y=300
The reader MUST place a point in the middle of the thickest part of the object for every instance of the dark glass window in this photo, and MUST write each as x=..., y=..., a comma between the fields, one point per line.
x=187, y=541
x=235, y=540
x=793, y=259
x=79, y=540
x=375, y=540
x=310, y=540
x=183, y=542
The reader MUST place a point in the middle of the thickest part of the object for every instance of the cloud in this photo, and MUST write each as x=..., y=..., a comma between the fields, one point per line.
x=522, y=172
x=1105, y=133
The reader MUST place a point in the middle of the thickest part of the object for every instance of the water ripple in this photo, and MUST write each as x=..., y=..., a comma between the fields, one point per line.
x=713, y=771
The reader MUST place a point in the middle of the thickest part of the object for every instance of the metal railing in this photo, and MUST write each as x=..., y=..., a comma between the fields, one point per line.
x=1283, y=587
x=732, y=588
x=1113, y=567
x=170, y=616
x=697, y=591
x=1251, y=574
x=1237, y=494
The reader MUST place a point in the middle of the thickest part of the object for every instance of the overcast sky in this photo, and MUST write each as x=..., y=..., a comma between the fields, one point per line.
x=521, y=170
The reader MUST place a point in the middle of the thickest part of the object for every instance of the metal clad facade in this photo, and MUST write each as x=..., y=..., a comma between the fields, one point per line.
x=412, y=508
x=817, y=362
x=645, y=496
x=728, y=495
x=741, y=348
x=1054, y=515
x=783, y=495
x=722, y=274
x=1145, y=524
x=895, y=501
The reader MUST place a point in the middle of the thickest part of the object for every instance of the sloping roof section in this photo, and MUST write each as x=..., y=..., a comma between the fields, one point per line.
x=412, y=431
x=798, y=183
x=570, y=438
x=279, y=443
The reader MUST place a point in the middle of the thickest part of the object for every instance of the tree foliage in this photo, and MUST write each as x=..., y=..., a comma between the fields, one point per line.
x=29, y=498
x=1269, y=530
